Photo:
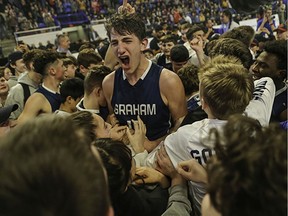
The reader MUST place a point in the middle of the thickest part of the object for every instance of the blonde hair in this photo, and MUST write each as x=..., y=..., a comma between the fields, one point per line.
x=226, y=86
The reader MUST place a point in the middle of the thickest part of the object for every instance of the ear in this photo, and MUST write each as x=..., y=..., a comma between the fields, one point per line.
x=69, y=99
x=82, y=68
x=144, y=44
x=13, y=65
x=51, y=70
x=203, y=103
x=97, y=91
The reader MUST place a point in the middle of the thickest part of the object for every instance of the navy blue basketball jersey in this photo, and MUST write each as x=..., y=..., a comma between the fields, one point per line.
x=143, y=99
x=53, y=98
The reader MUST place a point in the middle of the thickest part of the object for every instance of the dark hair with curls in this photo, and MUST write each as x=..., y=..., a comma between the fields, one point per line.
x=249, y=176
x=278, y=48
x=43, y=60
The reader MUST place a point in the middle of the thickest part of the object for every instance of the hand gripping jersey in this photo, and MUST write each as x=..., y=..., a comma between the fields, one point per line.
x=143, y=99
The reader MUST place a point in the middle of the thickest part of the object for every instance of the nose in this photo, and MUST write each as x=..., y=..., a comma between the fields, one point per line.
x=121, y=48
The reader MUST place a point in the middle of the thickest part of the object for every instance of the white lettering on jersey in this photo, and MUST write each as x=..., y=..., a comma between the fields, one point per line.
x=135, y=109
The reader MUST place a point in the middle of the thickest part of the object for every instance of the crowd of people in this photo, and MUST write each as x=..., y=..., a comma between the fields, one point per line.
x=26, y=15
x=192, y=122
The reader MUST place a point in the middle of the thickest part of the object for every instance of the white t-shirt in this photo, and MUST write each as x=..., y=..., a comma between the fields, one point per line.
x=191, y=141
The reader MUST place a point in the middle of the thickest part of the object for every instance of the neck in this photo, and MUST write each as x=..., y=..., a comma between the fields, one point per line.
x=143, y=65
x=51, y=83
x=66, y=108
x=91, y=102
x=34, y=77
x=17, y=73
x=278, y=84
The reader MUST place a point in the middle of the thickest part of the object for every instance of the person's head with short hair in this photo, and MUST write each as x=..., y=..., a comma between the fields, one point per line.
x=208, y=23
x=230, y=47
x=8, y=71
x=87, y=45
x=179, y=56
x=248, y=176
x=148, y=53
x=71, y=92
x=272, y=62
x=195, y=31
x=88, y=58
x=127, y=35
x=70, y=63
x=54, y=171
x=15, y=60
x=28, y=58
x=94, y=126
x=4, y=87
x=226, y=87
x=126, y=24
x=184, y=28
x=245, y=34
x=63, y=41
x=189, y=77
x=226, y=16
x=49, y=64
x=117, y=159
x=168, y=42
x=93, y=83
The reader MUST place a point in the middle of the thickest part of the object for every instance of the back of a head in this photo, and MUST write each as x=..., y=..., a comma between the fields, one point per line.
x=43, y=60
x=73, y=87
x=126, y=24
x=226, y=86
x=179, y=53
x=250, y=182
x=189, y=77
x=85, y=121
x=245, y=34
x=87, y=57
x=117, y=159
x=47, y=168
x=95, y=77
x=230, y=47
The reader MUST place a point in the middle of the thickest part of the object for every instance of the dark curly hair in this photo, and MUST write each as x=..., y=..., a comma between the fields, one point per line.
x=43, y=60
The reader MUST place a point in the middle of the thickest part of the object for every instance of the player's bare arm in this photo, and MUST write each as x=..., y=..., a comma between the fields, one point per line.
x=35, y=105
x=173, y=95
